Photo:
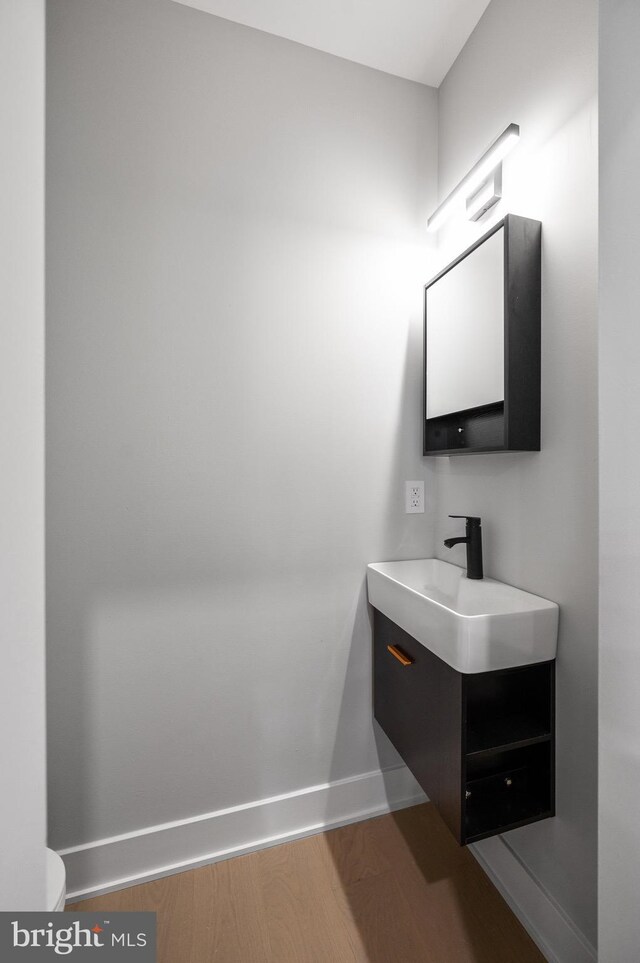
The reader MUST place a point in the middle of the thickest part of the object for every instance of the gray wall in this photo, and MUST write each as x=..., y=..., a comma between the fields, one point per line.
x=236, y=248
x=619, y=830
x=535, y=64
x=22, y=723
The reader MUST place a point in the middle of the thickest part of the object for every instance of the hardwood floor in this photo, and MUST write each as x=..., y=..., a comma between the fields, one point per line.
x=396, y=889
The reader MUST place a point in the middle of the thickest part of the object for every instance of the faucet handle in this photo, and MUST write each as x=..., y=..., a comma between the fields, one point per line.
x=469, y=518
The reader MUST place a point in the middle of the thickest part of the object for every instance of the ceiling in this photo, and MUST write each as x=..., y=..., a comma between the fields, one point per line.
x=415, y=39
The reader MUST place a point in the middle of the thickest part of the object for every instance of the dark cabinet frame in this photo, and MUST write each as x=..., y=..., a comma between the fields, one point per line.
x=482, y=746
x=514, y=423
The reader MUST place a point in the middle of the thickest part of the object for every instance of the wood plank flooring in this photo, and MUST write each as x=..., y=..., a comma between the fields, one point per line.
x=395, y=889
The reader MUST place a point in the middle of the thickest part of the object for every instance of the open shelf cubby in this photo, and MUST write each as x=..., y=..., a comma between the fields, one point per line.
x=507, y=789
x=508, y=709
x=509, y=752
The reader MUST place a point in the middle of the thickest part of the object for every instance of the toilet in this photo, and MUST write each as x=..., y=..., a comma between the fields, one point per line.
x=56, y=883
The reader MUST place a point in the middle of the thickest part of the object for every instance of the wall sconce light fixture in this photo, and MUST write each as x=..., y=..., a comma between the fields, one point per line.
x=481, y=187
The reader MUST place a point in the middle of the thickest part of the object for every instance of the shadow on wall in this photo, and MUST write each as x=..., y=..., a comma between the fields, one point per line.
x=397, y=540
x=157, y=640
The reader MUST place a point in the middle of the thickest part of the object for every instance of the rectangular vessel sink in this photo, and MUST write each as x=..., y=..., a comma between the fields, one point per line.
x=472, y=625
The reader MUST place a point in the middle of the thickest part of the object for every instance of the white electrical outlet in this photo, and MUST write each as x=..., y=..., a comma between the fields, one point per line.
x=414, y=497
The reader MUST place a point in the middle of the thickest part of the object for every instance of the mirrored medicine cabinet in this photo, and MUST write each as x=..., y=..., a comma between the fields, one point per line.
x=482, y=345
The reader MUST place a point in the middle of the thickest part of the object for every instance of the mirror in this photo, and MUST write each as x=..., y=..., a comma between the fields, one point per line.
x=482, y=345
x=465, y=332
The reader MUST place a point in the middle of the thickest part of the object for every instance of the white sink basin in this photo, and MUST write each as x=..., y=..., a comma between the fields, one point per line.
x=474, y=625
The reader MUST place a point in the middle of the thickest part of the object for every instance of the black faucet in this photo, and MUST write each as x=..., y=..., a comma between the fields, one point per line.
x=473, y=541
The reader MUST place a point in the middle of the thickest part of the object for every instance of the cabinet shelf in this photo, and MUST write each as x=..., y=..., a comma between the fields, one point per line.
x=507, y=732
x=487, y=822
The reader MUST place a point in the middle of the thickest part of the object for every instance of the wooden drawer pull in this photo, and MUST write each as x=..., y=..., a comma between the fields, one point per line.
x=399, y=655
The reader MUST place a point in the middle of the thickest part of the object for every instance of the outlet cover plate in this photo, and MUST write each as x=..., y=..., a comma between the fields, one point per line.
x=414, y=497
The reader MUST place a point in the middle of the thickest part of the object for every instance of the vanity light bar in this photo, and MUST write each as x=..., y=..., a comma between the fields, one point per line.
x=474, y=179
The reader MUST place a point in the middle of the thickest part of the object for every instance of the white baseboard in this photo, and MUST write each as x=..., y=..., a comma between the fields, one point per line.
x=556, y=935
x=155, y=851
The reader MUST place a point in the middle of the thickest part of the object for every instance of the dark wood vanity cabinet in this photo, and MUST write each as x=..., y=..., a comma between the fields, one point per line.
x=482, y=746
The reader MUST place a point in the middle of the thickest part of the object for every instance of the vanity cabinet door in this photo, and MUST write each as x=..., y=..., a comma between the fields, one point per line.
x=419, y=706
